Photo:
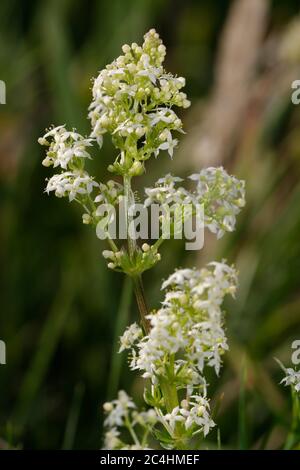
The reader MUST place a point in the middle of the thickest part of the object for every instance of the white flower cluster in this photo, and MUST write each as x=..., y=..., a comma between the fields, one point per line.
x=67, y=150
x=109, y=193
x=194, y=412
x=130, y=336
x=186, y=334
x=132, y=100
x=221, y=195
x=167, y=192
x=118, y=409
x=112, y=440
x=72, y=184
x=292, y=378
x=189, y=325
x=146, y=257
x=64, y=146
x=122, y=414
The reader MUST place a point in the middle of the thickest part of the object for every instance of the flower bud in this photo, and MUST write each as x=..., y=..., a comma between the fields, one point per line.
x=126, y=48
x=86, y=219
x=184, y=404
x=137, y=169
x=46, y=162
x=108, y=407
x=200, y=410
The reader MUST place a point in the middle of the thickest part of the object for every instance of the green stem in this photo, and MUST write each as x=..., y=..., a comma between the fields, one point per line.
x=132, y=432
x=112, y=244
x=293, y=435
x=168, y=389
x=169, y=393
x=137, y=280
x=129, y=201
x=145, y=437
x=158, y=242
x=141, y=302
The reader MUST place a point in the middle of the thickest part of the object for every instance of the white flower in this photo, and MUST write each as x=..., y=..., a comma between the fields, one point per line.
x=208, y=343
x=194, y=413
x=174, y=417
x=122, y=413
x=130, y=336
x=109, y=193
x=71, y=184
x=64, y=146
x=119, y=410
x=111, y=439
x=198, y=415
x=145, y=418
x=292, y=378
x=167, y=192
x=169, y=143
x=180, y=277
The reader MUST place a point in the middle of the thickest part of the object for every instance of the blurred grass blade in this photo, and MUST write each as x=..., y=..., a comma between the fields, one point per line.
x=121, y=323
x=219, y=439
x=49, y=338
x=73, y=417
x=243, y=431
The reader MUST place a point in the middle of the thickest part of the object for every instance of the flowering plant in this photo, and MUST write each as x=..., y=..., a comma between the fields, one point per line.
x=133, y=101
x=292, y=380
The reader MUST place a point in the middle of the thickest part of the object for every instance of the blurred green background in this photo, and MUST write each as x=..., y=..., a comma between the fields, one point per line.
x=59, y=303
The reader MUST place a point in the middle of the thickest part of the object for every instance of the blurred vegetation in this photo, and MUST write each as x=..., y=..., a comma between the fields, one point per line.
x=59, y=303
